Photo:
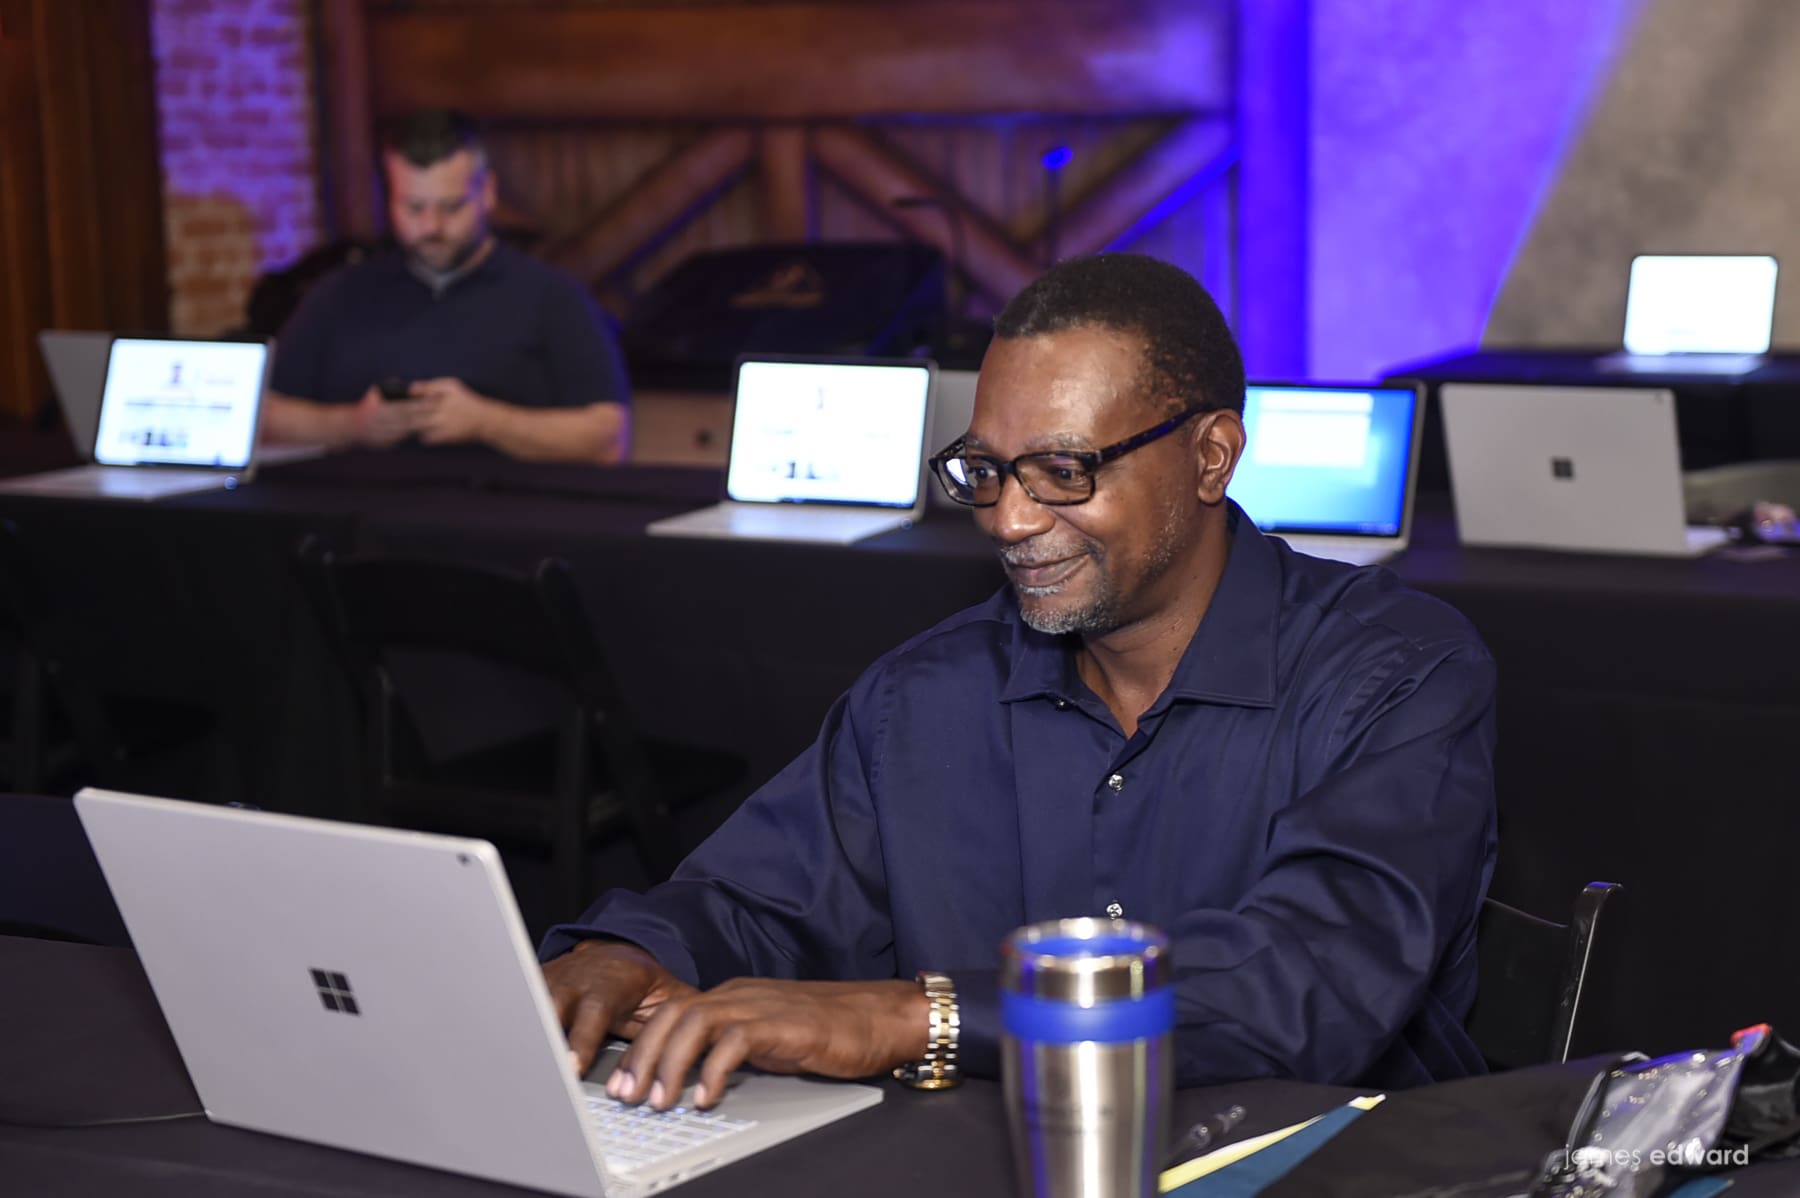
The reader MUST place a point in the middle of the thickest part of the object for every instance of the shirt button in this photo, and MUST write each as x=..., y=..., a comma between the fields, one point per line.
x=1115, y=911
x=1061, y=705
x=1116, y=783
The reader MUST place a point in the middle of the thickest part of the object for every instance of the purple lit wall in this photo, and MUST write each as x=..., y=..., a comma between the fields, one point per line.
x=1435, y=129
x=240, y=186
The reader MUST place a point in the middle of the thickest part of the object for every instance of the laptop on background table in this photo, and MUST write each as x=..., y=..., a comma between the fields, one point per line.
x=176, y=416
x=1575, y=468
x=76, y=360
x=1697, y=314
x=373, y=990
x=830, y=450
x=1331, y=468
x=951, y=411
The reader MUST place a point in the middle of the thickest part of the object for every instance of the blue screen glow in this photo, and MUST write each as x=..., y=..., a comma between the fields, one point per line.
x=1326, y=459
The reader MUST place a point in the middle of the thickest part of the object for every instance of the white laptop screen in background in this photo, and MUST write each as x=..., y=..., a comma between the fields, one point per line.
x=180, y=403
x=828, y=432
x=1694, y=304
x=1326, y=459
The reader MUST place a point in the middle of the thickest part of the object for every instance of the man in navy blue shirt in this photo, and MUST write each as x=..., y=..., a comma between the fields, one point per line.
x=1283, y=762
x=454, y=338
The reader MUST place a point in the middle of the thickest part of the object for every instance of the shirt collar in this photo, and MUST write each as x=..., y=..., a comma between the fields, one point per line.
x=438, y=284
x=1230, y=660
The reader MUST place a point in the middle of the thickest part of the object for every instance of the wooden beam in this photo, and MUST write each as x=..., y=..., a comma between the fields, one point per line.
x=662, y=200
x=25, y=283
x=786, y=184
x=1184, y=154
x=794, y=59
x=993, y=263
x=353, y=194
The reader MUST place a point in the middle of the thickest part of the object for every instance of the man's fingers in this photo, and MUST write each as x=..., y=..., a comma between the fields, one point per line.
x=638, y=1072
x=587, y=1031
x=728, y=1053
x=692, y=1034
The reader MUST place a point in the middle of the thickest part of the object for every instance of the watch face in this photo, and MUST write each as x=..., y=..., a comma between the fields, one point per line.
x=934, y=1082
x=923, y=1077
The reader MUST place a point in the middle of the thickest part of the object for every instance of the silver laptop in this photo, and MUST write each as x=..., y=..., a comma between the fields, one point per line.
x=1697, y=314
x=1585, y=468
x=373, y=990
x=822, y=449
x=1331, y=468
x=951, y=411
x=176, y=416
x=77, y=363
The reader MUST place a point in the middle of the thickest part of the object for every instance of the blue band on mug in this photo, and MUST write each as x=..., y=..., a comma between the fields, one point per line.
x=1054, y=1021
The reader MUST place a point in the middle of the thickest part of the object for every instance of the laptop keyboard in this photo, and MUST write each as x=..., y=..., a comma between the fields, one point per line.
x=634, y=1136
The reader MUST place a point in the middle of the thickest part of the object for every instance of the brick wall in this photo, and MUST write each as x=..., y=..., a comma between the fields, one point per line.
x=234, y=100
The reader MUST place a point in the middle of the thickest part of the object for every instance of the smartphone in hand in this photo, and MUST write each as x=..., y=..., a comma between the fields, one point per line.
x=394, y=388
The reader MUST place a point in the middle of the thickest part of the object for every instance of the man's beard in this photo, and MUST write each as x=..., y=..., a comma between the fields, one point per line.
x=1104, y=610
x=456, y=261
x=1098, y=614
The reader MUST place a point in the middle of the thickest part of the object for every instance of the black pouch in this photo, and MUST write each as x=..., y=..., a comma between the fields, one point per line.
x=1648, y=1126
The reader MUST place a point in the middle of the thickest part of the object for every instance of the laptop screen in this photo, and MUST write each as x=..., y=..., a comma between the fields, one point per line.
x=828, y=432
x=180, y=403
x=1331, y=460
x=1694, y=304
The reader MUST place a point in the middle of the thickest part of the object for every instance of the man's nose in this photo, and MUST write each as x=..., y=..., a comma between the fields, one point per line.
x=1016, y=516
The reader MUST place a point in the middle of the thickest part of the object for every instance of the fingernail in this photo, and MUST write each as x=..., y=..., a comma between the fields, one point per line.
x=574, y=1061
x=619, y=1082
x=656, y=1093
x=700, y=1095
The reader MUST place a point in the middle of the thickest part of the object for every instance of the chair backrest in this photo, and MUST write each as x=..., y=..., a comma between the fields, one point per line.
x=534, y=623
x=50, y=882
x=50, y=665
x=1533, y=973
x=373, y=605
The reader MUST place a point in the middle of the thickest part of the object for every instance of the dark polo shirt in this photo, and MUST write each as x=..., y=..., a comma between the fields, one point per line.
x=513, y=329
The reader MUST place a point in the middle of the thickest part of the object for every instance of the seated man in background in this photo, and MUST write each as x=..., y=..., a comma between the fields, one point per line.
x=1284, y=762
x=455, y=338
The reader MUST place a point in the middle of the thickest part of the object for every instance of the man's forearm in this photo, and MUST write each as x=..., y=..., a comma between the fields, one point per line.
x=598, y=433
x=302, y=421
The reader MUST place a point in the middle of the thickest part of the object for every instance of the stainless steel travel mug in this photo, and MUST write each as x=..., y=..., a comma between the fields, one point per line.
x=1087, y=1014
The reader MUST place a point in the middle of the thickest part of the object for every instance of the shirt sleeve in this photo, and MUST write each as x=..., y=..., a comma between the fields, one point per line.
x=586, y=366
x=791, y=886
x=1373, y=879
x=304, y=343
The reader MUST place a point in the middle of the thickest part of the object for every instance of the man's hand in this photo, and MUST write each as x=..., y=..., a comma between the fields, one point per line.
x=380, y=422
x=601, y=987
x=451, y=412
x=835, y=1029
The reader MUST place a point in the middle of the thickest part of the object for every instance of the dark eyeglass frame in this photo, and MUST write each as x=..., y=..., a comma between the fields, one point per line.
x=1089, y=460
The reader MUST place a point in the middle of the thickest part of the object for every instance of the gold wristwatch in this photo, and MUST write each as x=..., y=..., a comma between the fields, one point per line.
x=937, y=1069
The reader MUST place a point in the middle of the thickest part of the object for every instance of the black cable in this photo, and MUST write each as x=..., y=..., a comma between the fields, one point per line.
x=125, y=1121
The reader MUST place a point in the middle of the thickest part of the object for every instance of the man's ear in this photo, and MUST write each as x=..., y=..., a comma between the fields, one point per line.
x=1218, y=444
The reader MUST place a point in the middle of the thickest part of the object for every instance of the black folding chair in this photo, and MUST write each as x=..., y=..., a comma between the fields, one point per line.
x=560, y=791
x=51, y=886
x=1533, y=975
x=64, y=730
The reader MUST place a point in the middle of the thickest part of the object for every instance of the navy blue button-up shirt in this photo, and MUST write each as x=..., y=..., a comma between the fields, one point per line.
x=512, y=329
x=1307, y=810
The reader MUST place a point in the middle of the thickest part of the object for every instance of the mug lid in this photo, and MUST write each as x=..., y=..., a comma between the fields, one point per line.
x=1085, y=961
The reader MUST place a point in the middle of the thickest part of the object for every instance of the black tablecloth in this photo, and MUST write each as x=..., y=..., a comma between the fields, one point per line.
x=1644, y=714
x=81, y=1040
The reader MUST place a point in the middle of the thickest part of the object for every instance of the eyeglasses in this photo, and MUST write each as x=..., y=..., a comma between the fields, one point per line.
x=1060, y=478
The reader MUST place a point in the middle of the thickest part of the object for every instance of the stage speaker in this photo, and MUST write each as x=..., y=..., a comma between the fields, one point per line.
x=875, y=298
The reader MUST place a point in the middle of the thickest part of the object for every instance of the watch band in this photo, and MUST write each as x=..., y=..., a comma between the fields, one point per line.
x=937, y=1069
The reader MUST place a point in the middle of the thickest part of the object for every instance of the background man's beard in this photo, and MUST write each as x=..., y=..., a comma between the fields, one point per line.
x=429, y=255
